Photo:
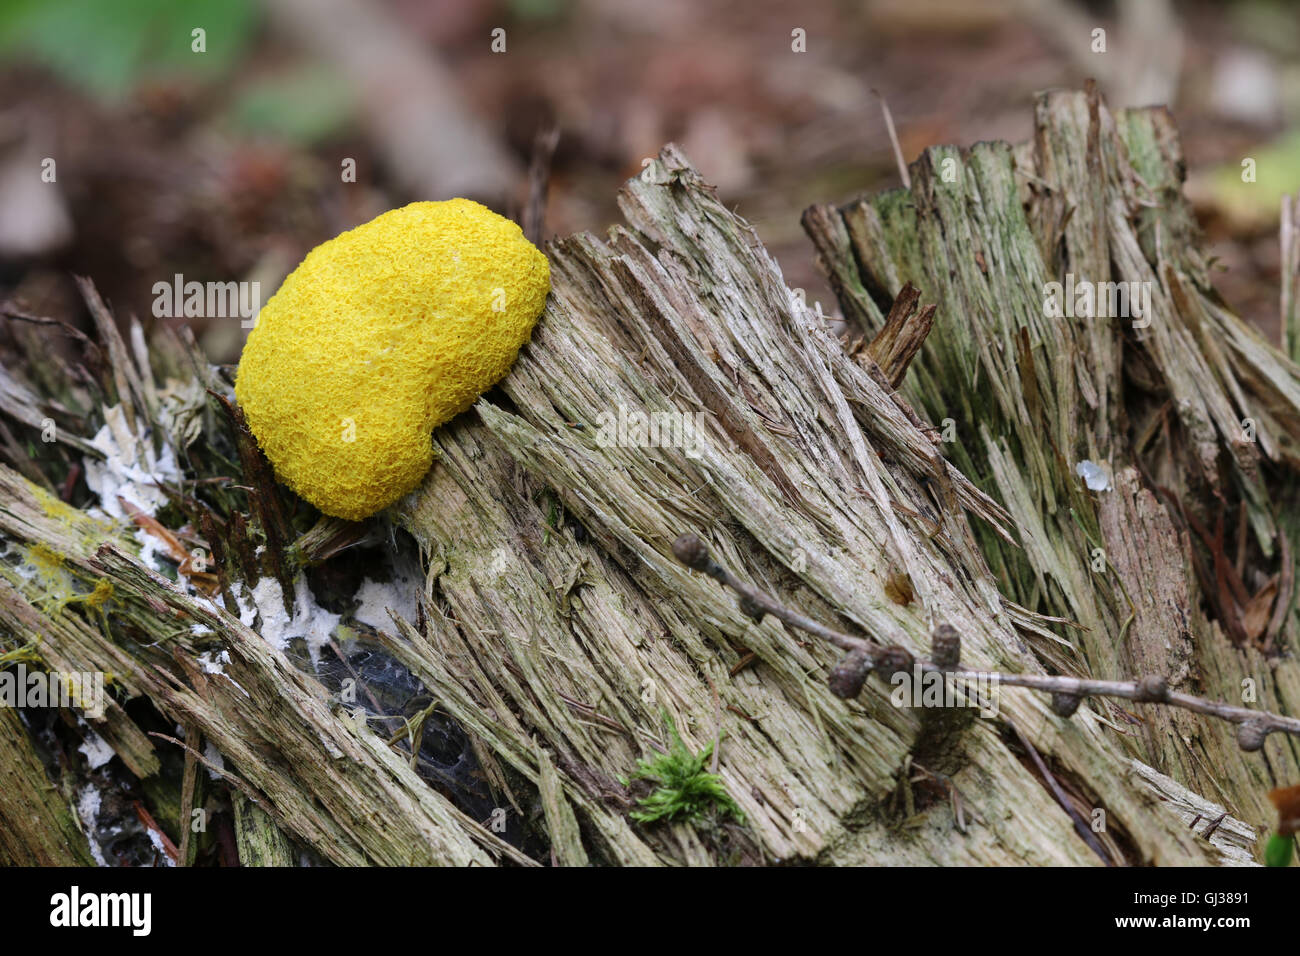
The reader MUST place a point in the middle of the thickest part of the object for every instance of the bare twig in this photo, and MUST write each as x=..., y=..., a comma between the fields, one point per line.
x=1080, y=825
x=1290, y=284
x=539, y=181
x=865, y=656
x=903, y=174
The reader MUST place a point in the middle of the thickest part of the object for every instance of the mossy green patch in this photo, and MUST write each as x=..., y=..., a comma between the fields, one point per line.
x=685, y=791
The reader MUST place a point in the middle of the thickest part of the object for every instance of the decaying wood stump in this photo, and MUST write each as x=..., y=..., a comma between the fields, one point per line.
x=675, y=384
x=1195, y=417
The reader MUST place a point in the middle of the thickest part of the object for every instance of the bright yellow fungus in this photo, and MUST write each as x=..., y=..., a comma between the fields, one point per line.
x=379, y=336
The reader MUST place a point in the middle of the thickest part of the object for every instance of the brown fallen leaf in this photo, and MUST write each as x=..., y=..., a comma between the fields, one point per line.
x=205, y=581
x=898, y=588
x=1255, y=615
x=1287, y=801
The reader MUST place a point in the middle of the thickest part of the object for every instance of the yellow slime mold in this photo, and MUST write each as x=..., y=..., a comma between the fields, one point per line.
x=379, y=336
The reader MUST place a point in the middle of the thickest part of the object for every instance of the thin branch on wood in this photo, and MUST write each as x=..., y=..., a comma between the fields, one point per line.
x=539, y=180
x=866, y=656
x=1289, y=235
x=893, y=140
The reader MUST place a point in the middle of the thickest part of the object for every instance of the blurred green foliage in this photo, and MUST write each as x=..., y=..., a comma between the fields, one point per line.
x=107, y=48
x=1277, y=173
x=538, y=10
x=1278, y=850
x=302, y=105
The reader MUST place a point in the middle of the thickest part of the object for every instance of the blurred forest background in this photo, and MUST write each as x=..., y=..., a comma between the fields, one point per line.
x=226, y=164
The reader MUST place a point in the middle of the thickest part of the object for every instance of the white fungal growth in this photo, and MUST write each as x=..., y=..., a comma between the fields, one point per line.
x=375, y=598
x=1095, y=476
x=213, y=756
x=130, y=469
x=213, y=662
x=96, y=750
x=309, y=620
x=88, y=801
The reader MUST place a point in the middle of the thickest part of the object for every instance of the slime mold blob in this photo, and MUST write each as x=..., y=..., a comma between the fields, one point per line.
x=380, y=335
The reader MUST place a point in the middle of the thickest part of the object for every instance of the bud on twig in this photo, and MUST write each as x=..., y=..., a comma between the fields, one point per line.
x=1251, y=735
x=1064, y=705
x=848, y=676
x=750, y=608
x=893, y=659
x=690, y=551
x=946, y=647
x=1152, y=689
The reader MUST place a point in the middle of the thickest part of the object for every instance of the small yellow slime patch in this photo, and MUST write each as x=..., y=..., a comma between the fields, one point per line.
x=379, y=336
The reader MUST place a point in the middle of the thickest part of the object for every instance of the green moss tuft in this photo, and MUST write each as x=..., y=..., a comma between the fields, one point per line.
x=685, y=791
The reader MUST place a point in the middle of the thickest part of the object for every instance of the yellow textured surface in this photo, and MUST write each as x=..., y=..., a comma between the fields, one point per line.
x=380, y=335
